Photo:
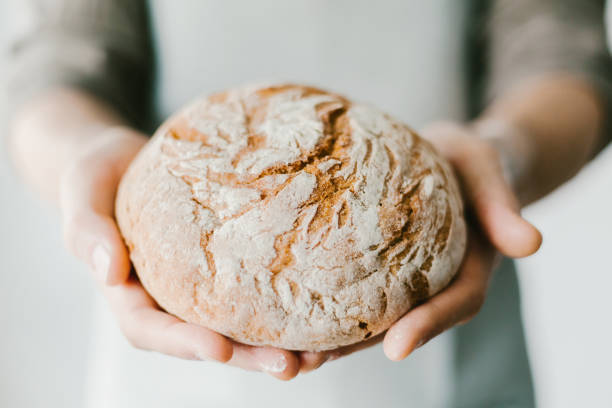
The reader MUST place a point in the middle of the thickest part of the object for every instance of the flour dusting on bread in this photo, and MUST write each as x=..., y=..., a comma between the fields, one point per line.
x=289, y=216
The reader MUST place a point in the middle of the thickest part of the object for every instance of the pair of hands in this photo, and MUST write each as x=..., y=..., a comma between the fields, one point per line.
x=87, y=196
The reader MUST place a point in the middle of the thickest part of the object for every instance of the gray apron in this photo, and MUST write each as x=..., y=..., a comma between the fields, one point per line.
x=403, y=56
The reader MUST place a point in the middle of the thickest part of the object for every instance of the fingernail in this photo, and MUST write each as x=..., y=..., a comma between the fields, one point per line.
x=101, y=262
x=395, y=350
x=276, y=367
x=398, y=336
x=398, y=351
x=202, y=356
x=206, y=356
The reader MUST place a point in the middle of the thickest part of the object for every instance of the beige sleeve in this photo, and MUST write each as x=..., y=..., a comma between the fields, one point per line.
x=527, y=38
x=101, y=46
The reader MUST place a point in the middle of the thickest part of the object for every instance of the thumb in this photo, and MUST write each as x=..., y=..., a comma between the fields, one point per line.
x=94, y=239
x=478, y=167
x=87, y=196
x=494, y=202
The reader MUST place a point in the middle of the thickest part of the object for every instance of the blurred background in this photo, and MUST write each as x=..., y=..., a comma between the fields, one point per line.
x=46, y=295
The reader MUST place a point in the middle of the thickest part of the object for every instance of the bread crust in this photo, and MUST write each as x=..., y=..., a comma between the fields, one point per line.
x=288, y=216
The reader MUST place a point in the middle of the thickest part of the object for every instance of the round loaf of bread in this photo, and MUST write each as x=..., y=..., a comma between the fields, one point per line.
x=289, y=216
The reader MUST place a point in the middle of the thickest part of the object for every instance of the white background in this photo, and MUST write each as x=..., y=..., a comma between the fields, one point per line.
x=46, y=297
x=567, y=297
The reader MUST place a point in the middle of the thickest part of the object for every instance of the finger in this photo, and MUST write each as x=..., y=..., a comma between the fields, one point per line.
x=479, y=170
x=87, y=196
x=457, y=303
x=148, y=328
x=282, y=364
x=311, y=360
x=94, y=238
x=511, y=234
x=495, y=204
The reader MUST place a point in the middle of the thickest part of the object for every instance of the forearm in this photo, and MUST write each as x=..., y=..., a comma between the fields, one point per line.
x=557, y=122
x=50, y=131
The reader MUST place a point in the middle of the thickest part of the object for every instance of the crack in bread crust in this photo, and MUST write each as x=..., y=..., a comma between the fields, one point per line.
x=329, y=189
x=319, y=221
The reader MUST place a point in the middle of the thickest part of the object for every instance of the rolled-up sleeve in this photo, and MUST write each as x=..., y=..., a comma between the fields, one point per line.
x=101, y=46
x=527, y=38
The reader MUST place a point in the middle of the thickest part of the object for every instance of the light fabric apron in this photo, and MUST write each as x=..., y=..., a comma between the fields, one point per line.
x=403, y=56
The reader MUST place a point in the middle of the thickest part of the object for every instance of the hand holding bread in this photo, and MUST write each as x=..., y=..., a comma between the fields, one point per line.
x=88, y=190
x=409, y=188
x=495, y=228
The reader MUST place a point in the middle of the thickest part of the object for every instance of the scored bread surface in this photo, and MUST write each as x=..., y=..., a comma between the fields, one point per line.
x=289, y=216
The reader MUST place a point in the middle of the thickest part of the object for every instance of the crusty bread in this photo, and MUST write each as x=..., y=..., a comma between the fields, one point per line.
x=289, y=216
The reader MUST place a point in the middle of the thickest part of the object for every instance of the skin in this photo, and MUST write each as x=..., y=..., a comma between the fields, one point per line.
x=559, y=118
